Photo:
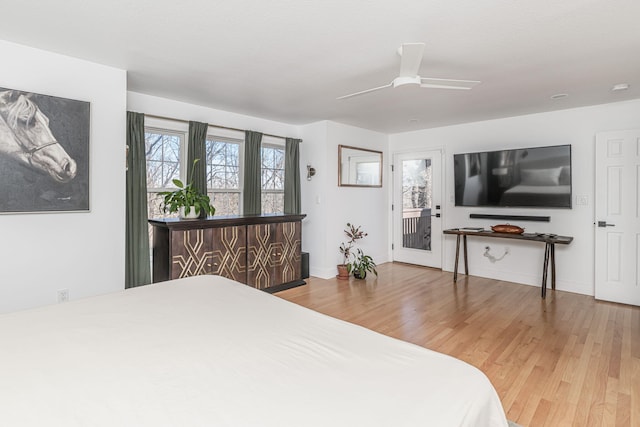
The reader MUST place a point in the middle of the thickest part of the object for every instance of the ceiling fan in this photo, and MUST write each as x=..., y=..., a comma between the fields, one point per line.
x=410, y=59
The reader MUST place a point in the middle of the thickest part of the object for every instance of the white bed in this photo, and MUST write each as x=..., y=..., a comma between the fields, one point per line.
x=207, y=351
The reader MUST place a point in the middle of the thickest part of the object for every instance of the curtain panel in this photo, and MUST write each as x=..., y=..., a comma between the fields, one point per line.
x=137, y=261
x=196, y=149
x=292, y=176
x=252, y=203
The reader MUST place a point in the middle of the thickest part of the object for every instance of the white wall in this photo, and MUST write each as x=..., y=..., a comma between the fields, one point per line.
x=154, y=105
x=81, y=252
x=524, y=262
x=314, y=197
x=330, y=207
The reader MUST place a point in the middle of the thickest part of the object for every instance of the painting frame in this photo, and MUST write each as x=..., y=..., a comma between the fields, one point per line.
x=45, y=144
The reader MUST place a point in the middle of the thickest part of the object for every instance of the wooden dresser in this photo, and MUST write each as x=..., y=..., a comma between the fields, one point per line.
x=262, y=251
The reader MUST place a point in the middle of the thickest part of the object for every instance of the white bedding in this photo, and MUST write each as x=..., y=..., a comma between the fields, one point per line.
x=207, y=351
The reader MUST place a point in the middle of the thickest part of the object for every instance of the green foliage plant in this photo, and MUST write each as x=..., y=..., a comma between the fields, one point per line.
x=361, y=265
x=186, y=197
x=353, y=233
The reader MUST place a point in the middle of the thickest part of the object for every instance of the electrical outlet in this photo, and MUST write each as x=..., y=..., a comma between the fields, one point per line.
x=582, y=200
x=63, y=295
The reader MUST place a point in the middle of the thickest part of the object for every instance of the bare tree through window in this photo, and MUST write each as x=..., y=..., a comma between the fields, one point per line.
x=223, y=175
x=162, y=150
x=272, y=179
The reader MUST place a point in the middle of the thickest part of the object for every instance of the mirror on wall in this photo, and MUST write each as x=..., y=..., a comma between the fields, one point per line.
x=359, y=167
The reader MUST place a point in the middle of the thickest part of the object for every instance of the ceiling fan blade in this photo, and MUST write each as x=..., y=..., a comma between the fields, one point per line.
x=365, y=91
x=436, y=83
x=429, y=86
x=410, y=59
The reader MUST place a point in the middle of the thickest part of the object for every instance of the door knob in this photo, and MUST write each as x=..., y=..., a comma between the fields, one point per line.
x=604, y=224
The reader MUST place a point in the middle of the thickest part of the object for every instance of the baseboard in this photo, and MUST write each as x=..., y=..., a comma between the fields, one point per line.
x=323, y=273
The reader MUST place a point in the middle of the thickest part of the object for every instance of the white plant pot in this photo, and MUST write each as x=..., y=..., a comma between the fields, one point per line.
x=193, y=214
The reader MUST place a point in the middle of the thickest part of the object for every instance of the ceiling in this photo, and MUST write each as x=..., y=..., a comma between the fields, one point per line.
x=288, y=60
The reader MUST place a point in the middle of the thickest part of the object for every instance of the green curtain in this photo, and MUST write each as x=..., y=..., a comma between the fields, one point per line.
x=196, y=149
x=137, y=262
x=292, y=176
x=252, y=204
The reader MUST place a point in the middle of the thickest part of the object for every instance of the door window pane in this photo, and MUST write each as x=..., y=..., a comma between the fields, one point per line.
x=416, y=204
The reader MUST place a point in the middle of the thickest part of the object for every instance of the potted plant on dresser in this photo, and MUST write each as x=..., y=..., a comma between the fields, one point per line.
x=187, y=200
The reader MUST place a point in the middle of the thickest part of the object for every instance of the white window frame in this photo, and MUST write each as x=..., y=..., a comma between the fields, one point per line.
x=155, y=125
x=183, y=153
x=182, y=134
x=240, y=190
x=272, y=144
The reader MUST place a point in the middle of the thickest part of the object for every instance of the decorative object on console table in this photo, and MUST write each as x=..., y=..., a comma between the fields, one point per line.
x=241, y=248
x=507, y=228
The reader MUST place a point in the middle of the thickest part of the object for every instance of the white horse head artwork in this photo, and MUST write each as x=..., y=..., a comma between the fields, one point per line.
x=26, y=137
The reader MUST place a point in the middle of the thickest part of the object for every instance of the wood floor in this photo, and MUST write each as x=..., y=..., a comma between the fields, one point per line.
x=565, y=361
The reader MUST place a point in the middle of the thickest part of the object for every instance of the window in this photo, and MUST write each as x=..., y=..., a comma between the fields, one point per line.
x=272, y=179
x=163, y=151
x=166, y=154
x=223, y=175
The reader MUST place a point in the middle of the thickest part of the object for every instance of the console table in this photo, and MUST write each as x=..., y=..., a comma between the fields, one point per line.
x=549, y=240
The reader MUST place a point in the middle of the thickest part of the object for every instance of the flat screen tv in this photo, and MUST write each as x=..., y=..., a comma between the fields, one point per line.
x=537, y=177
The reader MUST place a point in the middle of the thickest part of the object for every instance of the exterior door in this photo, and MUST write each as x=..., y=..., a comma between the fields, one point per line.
x=417, y=222
x=617, y=209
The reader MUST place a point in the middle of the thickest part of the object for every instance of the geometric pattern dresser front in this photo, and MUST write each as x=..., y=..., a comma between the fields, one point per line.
x=219, y=251
x=261, y=251
x=273, y=254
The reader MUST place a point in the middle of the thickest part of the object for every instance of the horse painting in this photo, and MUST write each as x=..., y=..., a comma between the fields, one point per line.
x=26, y=137
x=44, y=153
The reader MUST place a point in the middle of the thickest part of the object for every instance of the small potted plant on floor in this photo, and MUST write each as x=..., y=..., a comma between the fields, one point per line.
x=187, y=200
x=361, y=265
x=353, y=233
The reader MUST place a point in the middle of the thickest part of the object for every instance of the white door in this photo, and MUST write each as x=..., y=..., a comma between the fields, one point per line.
x=617, y=251
x=417, y=225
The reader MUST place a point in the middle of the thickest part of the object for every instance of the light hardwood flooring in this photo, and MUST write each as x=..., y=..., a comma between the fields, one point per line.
x=568, y=360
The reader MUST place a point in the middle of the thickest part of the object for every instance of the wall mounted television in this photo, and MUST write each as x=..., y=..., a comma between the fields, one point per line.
x=538, y=177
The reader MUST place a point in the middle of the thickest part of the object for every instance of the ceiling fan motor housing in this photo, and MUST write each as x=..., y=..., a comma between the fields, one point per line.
x=406, y=80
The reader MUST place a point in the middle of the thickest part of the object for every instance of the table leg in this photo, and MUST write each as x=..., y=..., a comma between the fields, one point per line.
x=553, y=266
x=455, y=268
x=466, y=263
x=545, y=266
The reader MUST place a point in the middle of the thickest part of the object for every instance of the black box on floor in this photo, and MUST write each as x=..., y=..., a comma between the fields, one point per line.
x=305, y=265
